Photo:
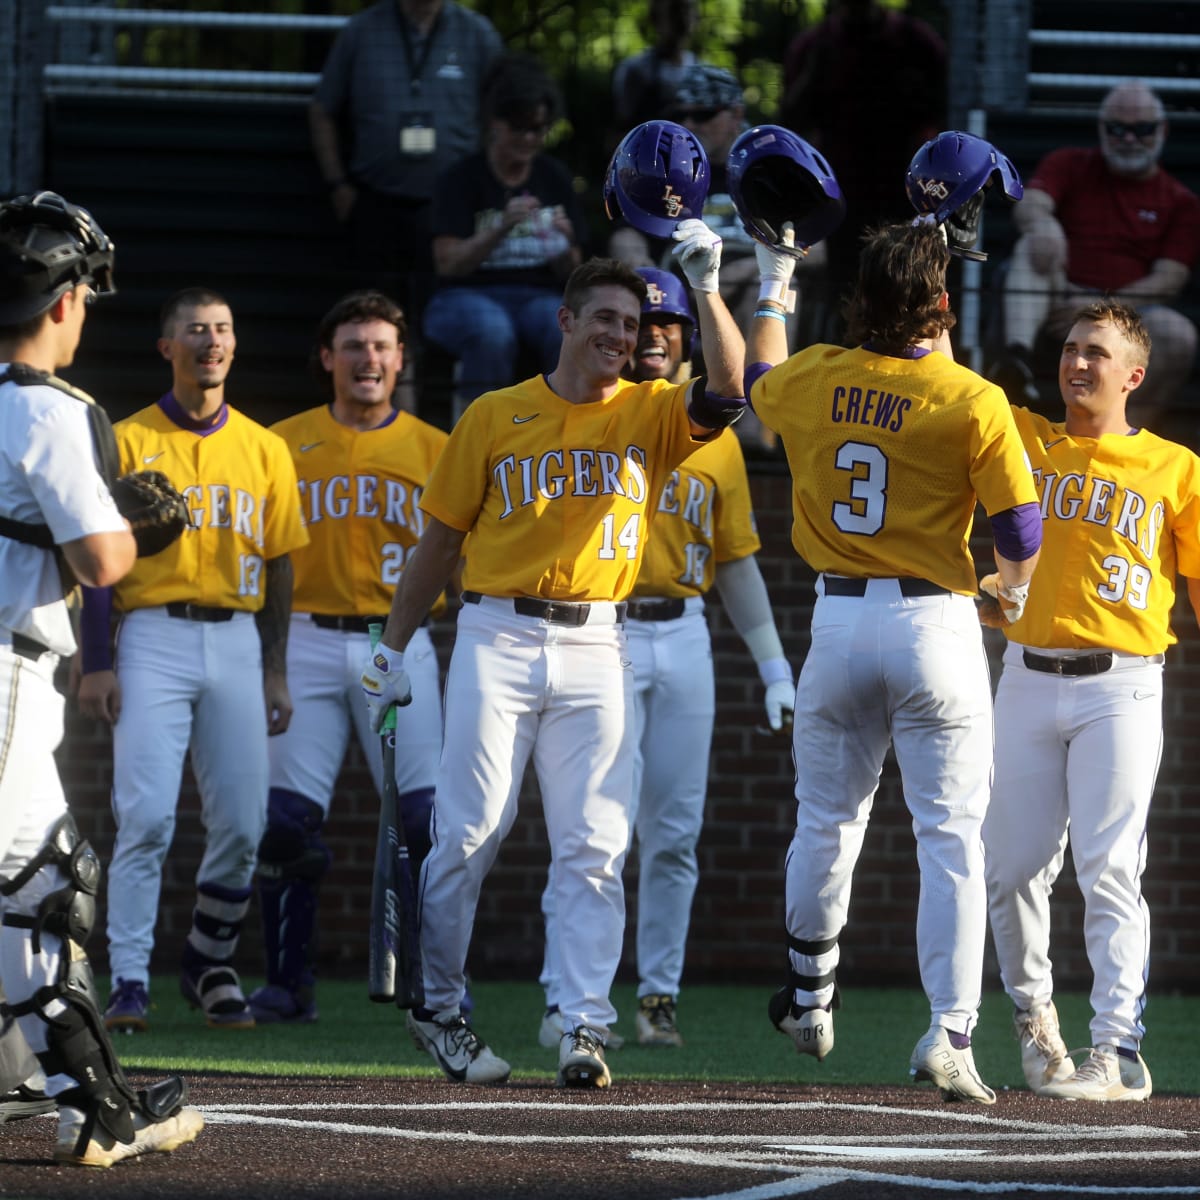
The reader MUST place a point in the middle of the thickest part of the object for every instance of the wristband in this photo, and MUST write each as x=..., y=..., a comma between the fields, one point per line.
x=771, y=312
x=774, y=670
x=779, y=291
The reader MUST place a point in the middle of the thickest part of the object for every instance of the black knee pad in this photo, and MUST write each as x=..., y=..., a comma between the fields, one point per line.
x=292, y=846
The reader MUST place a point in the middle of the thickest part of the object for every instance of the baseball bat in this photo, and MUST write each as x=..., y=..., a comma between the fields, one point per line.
x=393, y=954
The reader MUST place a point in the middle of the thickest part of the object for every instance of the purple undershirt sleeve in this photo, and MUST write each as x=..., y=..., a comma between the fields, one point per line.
x=754, y=372
x=94, y=625
x=1017, y=532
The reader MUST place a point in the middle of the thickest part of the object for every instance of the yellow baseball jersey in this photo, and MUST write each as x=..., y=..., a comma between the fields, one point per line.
x=888, y=457
x=241, y=489
x=704, y=517
x=1120, y=520
x=360, y=494
x=556, y=496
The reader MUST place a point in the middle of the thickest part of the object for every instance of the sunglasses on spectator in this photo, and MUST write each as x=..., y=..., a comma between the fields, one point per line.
x=1139, y=129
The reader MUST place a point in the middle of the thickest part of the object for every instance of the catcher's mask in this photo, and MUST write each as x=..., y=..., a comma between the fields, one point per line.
x=776, y=176
x=666, y=295
x=47, y=247
x=946, y=182
x=658, y=176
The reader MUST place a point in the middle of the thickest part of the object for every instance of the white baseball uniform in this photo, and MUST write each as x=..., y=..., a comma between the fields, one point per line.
x=1079, y=709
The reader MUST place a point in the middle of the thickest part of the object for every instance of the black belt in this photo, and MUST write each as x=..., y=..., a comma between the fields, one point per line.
x=655, y=610
x=186, y=611
x=346, y=624
x=1081, y=664
x=26, y=647
x=839, y=585
x=557, y=612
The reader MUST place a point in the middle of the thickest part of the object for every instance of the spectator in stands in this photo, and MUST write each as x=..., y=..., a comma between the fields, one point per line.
x=644, y=83
x=398, y=102
x=1104, y=220
x=867, y=87
x=506, y=233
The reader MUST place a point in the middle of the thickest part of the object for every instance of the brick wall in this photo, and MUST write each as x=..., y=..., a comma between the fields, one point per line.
x=738, y=917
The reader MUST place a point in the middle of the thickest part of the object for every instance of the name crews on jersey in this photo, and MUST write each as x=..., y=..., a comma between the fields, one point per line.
x=200, y=665
x=1079, y=703
x=704, y=534
x=361, y=467
x=540, y=667
x=883, y=509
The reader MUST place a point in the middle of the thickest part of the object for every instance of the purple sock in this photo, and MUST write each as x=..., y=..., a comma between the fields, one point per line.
x=1129, y=1054
x=960, y=1041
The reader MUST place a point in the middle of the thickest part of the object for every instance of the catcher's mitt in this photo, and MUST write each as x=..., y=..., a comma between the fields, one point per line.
x=156, y=512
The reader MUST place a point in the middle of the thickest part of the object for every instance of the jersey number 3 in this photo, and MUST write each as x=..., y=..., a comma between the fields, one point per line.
x=864, y=515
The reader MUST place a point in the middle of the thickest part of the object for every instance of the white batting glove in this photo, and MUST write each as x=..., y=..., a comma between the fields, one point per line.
x=384, y=683
x=775, y=270
x=999, y=605
x=780, y=702
x=699, y=254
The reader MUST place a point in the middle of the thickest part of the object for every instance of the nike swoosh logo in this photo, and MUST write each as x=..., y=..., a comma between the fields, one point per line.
x=522, y=420
x=1139, y=694
x=1055, y=442
x=307, y=446
x=147, y=459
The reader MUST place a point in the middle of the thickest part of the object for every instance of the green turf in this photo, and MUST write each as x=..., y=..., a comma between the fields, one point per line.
x=727, y=1033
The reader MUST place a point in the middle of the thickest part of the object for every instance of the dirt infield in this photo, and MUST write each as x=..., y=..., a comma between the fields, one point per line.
x=357, y=1139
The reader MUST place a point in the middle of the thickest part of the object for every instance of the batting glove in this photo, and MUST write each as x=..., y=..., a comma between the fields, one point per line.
x=775, y=270
x=384, y=683
x=699, y=254
x=780, y=703
x=1000, y=605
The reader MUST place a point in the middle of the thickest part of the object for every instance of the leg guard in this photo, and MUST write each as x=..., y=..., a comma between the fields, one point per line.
x=292, y=859
x=77, y=1043
x=416, y=811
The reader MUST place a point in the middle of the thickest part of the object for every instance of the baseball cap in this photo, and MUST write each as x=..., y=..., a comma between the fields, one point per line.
x=704, y=90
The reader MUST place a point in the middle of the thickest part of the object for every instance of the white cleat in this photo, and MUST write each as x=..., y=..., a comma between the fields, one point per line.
x=1104, y=1077
x=457, y=1048
x=1044, y=1057
x=949, y=1069
x=581, y=1060
x=103, y=1150
x=810, y=1028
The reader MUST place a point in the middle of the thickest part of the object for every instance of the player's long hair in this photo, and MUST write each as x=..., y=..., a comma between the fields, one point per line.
x=901, y=280
x=598, y=273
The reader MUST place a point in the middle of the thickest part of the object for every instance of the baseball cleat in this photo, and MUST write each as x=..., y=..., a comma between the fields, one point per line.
x=656, y=1022
x=1044, y=1057
x=272, y=1004
x=948, y=1068
x=217, y=991
x=24, y=1101
x=127, y=1005
x=553, y=1027
x=457, y=1048
x=103, y=1150
x=581, y=1060
x=810, y=1028
x=1105, y=1077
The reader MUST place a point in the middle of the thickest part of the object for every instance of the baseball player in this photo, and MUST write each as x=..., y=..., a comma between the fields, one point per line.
x=361, y=466
x=200, y=665
x=1079, y=704
x=58, y=525
x=704, y=534
x=890, y=445
x=549, y=484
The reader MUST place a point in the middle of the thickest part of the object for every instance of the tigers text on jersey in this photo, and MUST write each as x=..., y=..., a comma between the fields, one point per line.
x=1120, y=519
x=241, y=490
x=888, y=456
x=360, y=494
x=555, y=495
x=704, y=517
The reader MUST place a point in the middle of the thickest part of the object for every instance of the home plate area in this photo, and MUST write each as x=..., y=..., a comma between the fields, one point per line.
x=362, y=1138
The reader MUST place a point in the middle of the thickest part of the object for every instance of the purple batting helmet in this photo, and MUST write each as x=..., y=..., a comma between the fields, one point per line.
x=658, y=177
x=666, y=295
x=946, y=181
x=776, y=176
